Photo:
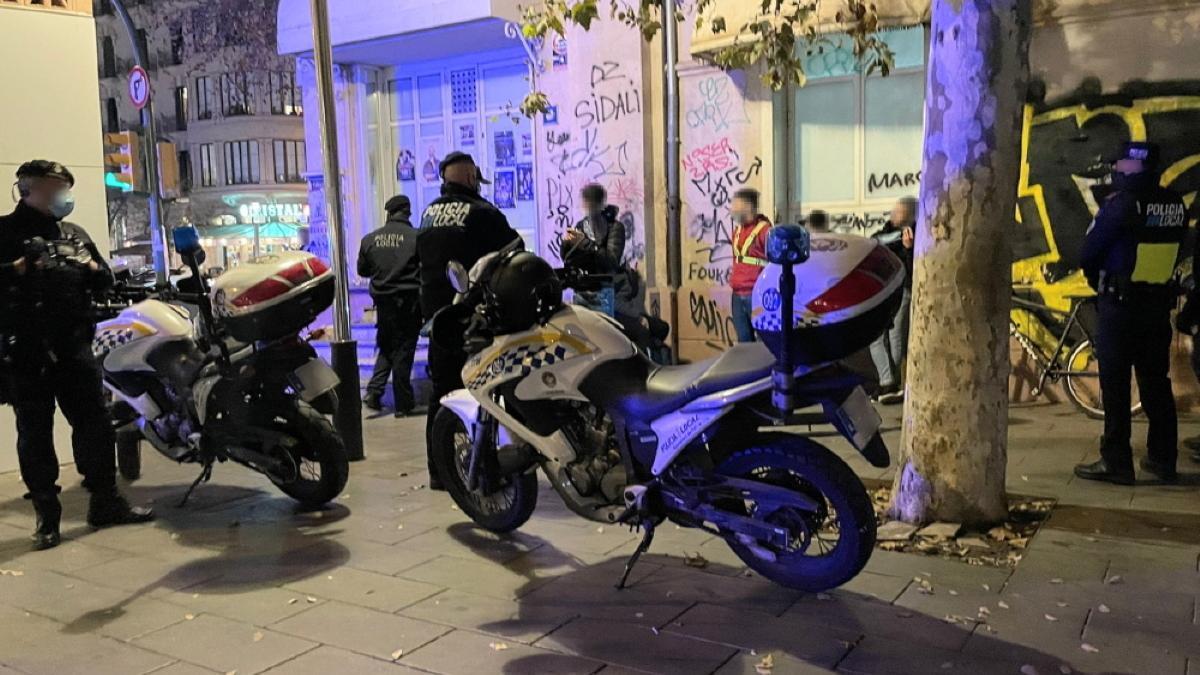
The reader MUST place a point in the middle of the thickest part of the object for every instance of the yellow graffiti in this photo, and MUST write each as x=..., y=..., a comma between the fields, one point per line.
x=1029, y=273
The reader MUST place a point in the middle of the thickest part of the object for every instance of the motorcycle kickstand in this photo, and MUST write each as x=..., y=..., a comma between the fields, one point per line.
x=647, y=537
x=205, y=475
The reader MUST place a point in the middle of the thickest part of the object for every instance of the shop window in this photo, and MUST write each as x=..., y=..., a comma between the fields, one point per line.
x=855, y=138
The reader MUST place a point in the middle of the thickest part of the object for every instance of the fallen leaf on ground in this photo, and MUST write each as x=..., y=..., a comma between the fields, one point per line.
x=987, y=587
x=498, y=646
x=292, y=601
x=258, y=636
x=311, y=599
x=1056, y=580
x=189, y=617
x=1064, y=669
x=1114, y=579
x=1089, y=648
x=1028, y=670
x=952, y=592
x=824, y=596
x=1060, y=603
x=397, y=654
x=698, y=561
x=765, y=665
x=1002, y=604
x=940, y=530
x=1103, y=609
x=1050, y=617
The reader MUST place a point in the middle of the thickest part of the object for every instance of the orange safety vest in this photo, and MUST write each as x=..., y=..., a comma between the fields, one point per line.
x=743, y=252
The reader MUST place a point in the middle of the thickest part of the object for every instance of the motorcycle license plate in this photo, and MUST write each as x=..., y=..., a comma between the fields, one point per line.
x=313, y=379
x=860, y=420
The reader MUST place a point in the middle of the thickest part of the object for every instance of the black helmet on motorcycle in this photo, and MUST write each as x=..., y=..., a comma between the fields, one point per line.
x=522, y=291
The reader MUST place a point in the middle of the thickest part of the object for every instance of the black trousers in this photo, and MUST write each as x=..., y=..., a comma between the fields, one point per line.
x=70, y=377
x=398, y=327
x=445, y=376
x=1135, y=335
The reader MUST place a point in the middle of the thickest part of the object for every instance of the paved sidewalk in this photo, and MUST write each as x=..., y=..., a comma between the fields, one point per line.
x=392, y=579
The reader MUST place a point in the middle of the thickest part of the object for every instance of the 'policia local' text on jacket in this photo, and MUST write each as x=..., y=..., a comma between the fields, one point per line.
x=388, y=257
x=1136, y=235
x=459, y=225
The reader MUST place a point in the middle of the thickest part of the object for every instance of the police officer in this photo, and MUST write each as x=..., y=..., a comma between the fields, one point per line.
x=459, y=225
x=48, y=267
x=1129, y=257
x=388, y=257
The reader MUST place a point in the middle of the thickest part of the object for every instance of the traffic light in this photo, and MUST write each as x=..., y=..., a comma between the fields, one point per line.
x=168, y=171
x=123, y=161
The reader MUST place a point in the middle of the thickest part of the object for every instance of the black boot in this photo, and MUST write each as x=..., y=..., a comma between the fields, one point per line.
x=49, y=514
x=1163, y=472
x=1102, y=472
x=108, y=508
x=373, y=402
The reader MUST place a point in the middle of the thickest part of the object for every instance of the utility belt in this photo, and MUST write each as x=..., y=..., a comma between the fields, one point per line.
x=1123, y=288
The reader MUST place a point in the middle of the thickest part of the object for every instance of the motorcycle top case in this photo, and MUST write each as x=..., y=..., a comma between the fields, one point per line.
x=272, y=296
x=847, y=294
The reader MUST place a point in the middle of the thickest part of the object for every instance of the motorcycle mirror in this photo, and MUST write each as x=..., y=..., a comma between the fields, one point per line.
x=187, y=240
x=457, y=274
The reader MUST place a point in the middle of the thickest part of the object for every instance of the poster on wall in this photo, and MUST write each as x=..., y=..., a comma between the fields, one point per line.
x=466, y=135
x=524, y=182
x=506, y=152
x=502, y=190
x=527, y=145
x=558, y=54
x=406, y=166
x=429, y=169
x=550, y=117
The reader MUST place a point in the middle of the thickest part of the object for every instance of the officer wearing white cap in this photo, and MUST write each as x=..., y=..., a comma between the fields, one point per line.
x=1129, y=257
x=48, y=268
x=459, y=225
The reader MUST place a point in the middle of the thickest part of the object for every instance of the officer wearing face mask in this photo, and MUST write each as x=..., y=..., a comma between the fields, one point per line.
x=1129, y=257
x=459, y=225
x=48, y=270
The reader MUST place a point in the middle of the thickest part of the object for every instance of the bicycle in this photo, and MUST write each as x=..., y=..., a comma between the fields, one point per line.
x=1080, y=373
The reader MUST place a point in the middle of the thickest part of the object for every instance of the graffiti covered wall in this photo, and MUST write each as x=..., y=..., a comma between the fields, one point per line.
x=594, y=133
x=721, y=153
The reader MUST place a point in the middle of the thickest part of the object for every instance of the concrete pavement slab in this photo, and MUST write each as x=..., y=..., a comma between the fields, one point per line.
x=325, y=660
x=750, y=631
x=520, y=621
x=366, y=589
x=637, y=647
x=358, y=629
x=466, y=653
x=225, y=645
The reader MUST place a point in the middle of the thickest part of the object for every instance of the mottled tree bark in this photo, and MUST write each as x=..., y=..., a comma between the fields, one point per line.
x=956, y=414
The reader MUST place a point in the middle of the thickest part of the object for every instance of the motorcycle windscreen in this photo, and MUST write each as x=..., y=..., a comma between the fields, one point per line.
x=847, y=294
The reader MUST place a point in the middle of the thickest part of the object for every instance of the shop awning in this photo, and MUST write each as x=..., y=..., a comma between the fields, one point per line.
x=265, y=231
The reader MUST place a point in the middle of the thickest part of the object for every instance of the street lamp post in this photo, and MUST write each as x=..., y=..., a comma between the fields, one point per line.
x=348, y=418
x=158, y=230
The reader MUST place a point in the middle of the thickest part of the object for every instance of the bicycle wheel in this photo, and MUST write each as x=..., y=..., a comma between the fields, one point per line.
x=1083, y=383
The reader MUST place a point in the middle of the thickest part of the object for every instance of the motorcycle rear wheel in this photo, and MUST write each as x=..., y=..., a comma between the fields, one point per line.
x=322, y=467
x=812, y=561
x=502, y=511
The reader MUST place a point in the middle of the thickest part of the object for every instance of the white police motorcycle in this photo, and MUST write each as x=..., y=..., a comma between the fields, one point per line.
x=623, y=440
x=242, y=385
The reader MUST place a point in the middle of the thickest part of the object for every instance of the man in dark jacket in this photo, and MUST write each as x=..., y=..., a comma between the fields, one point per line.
x=388, y=257
x=597, y=245
x=1129, y=257
x=459, y=225
x=889, y=349
x=48, y=270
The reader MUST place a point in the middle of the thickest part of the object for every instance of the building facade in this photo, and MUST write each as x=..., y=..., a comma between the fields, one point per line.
x=847, y=142
x=233, y=110
x=57, y=122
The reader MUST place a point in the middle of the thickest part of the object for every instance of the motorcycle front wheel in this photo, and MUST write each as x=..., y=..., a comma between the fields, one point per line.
x=501, y=511
x=322, y=467
x=825, y=548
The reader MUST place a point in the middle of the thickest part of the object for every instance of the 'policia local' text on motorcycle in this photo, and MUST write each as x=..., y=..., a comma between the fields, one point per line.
x=623, y=440
x=241, y=386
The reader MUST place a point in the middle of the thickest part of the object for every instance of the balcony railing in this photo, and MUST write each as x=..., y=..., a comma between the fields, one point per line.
x=76, y=6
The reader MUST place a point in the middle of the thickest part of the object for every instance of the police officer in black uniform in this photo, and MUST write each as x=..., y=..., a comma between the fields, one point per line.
x=459, y=225
x=1129, y=257
x=388, y=257
x=48, y=269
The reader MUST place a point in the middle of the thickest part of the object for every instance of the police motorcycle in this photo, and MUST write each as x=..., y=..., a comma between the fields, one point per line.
x=235, y=382
x=623, y=440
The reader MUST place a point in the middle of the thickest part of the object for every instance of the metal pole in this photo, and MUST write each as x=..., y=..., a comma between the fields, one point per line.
x=348, y=418
x=158, y=230
x=671, y=156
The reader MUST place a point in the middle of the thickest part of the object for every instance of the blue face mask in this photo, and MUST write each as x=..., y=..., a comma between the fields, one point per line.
x=63, y=204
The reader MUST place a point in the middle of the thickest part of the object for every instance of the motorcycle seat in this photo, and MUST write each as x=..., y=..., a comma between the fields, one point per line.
x=668, y=388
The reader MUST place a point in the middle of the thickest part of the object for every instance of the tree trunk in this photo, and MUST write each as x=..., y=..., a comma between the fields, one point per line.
x=956, y=415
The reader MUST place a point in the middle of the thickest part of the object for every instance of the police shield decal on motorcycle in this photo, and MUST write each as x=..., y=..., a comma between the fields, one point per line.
x=624, y=440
